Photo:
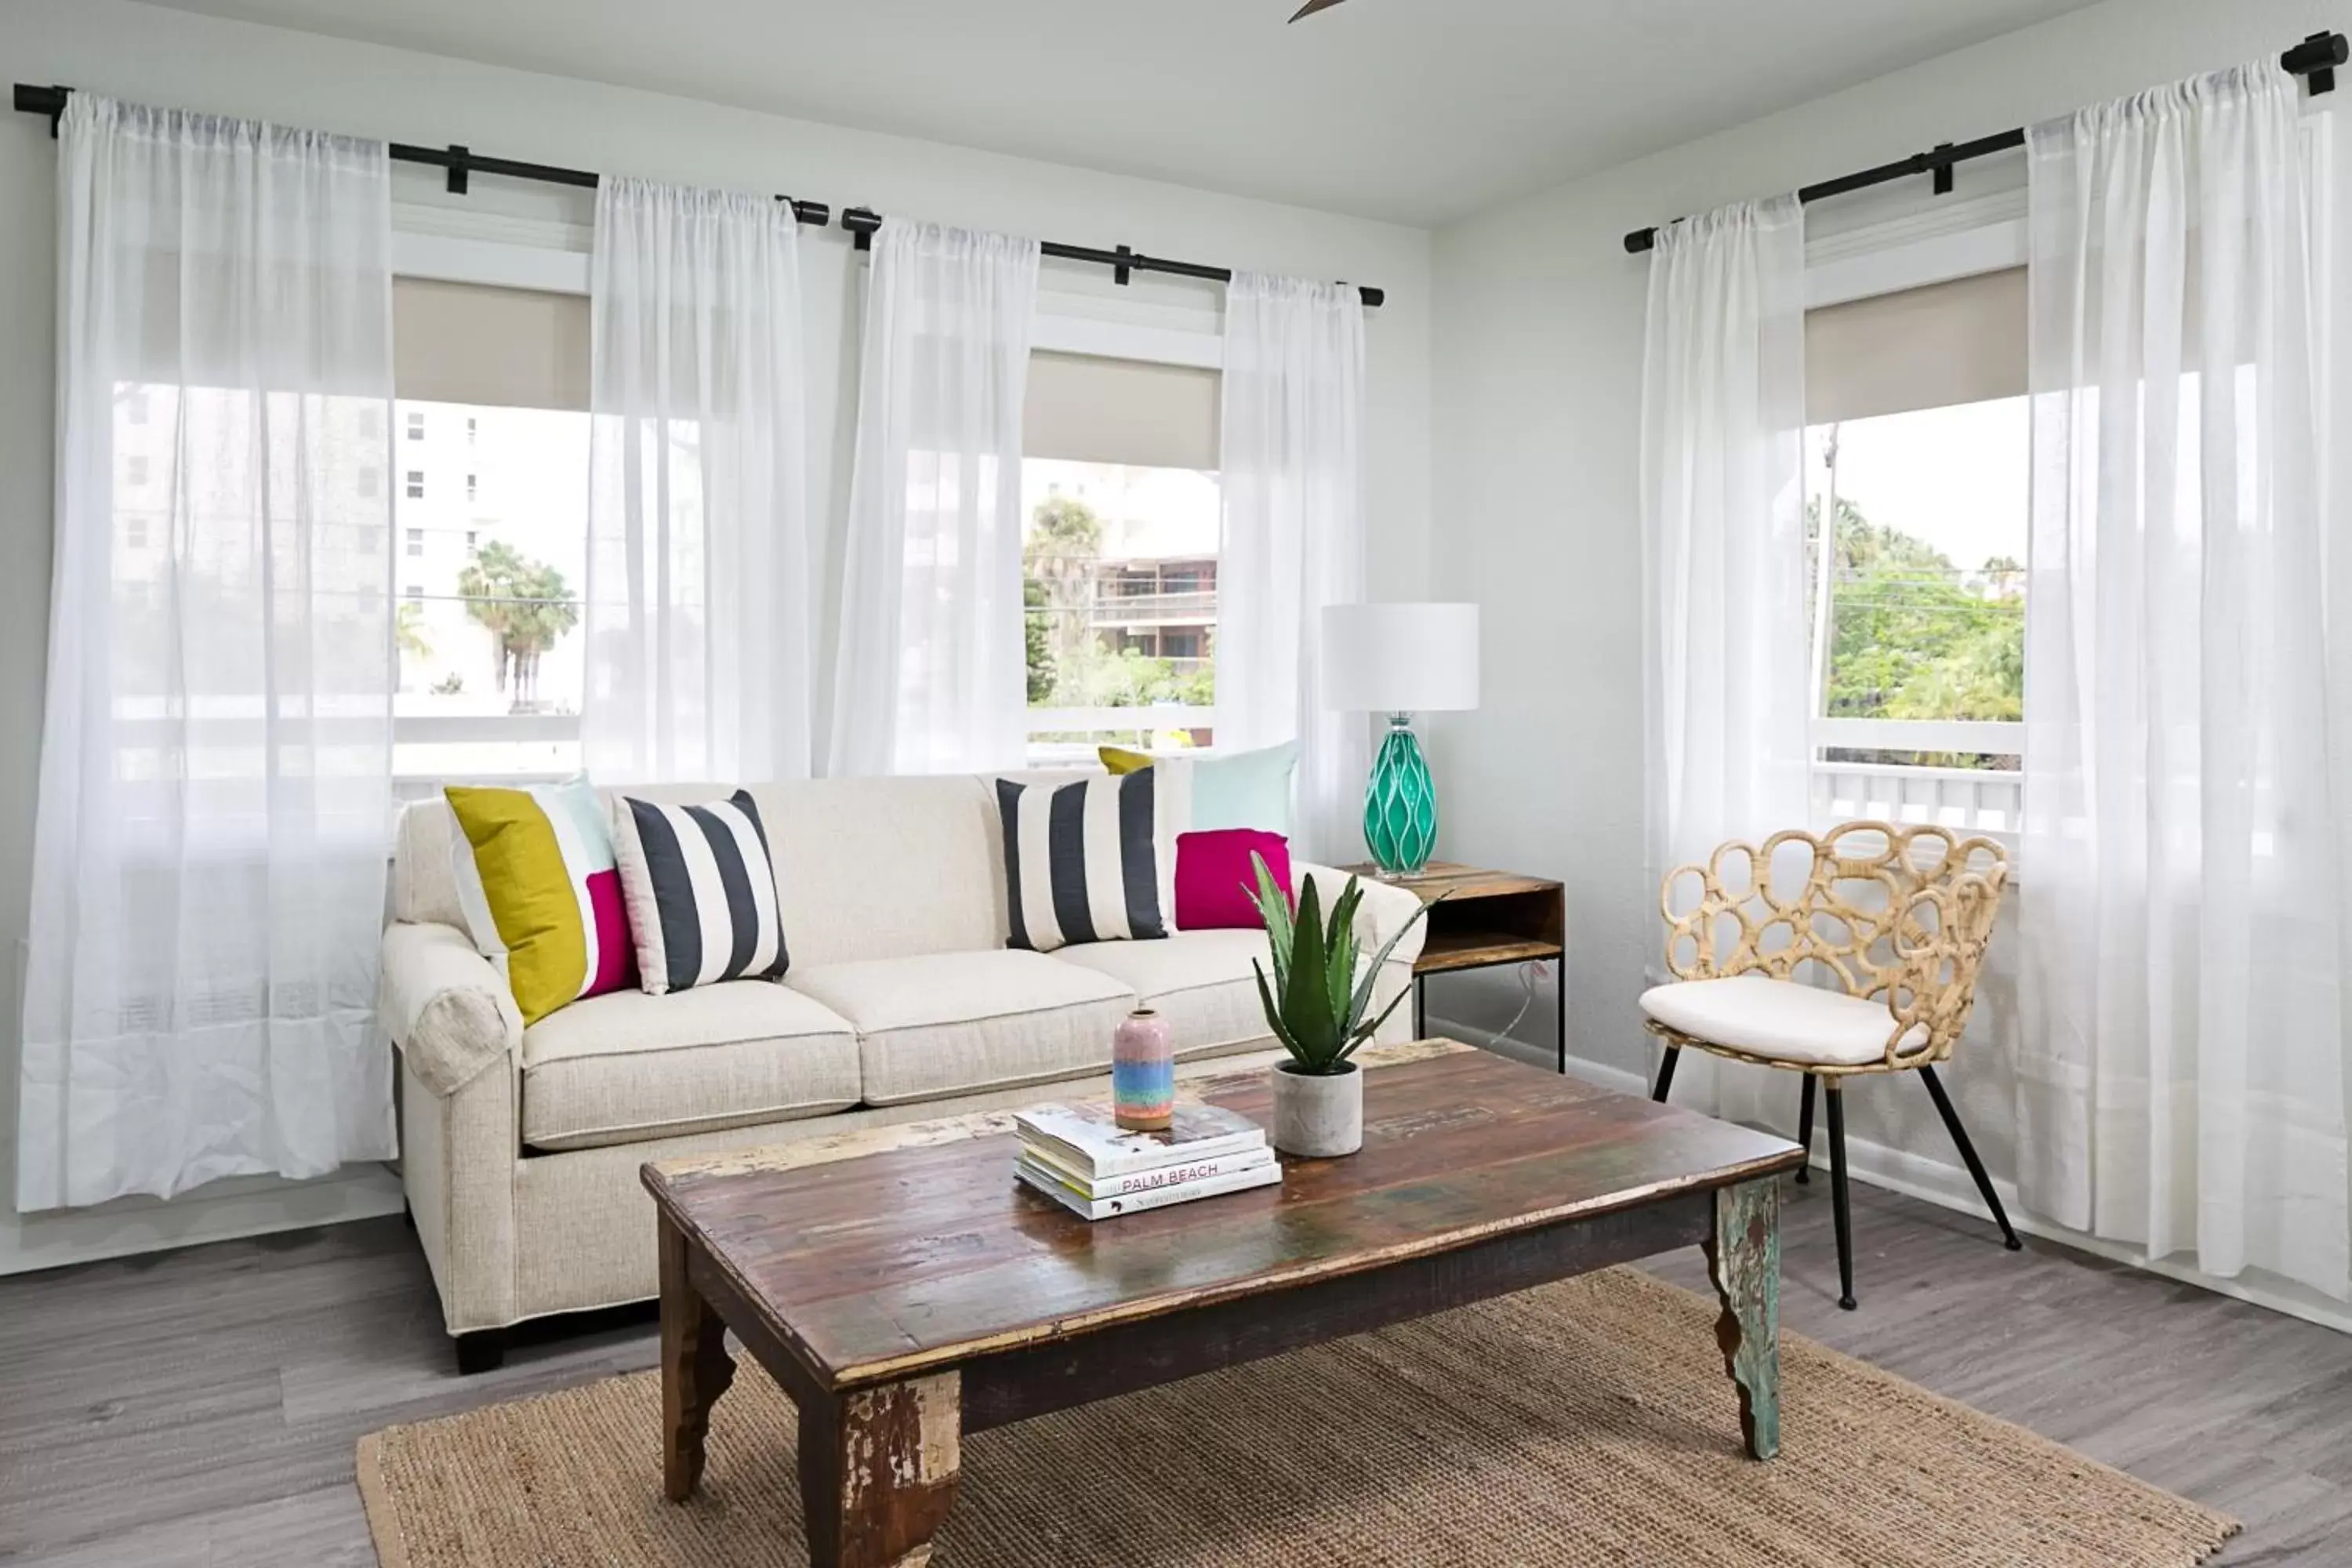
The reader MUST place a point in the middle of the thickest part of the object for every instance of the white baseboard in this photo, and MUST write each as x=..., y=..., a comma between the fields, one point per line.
x=1949, y=1187
x=219, y=1211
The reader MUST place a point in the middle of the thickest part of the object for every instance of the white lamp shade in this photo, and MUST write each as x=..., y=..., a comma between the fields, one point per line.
x=1401, y=658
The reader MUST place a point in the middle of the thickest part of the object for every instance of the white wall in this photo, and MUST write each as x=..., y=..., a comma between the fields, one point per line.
x=1539, y=324
x=172, y=57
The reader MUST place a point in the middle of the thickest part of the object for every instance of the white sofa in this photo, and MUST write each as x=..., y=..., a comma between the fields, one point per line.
x=520, y=1147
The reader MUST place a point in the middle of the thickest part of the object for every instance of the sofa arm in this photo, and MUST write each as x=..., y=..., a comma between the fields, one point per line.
x=445, y=1006
x=1383, y=912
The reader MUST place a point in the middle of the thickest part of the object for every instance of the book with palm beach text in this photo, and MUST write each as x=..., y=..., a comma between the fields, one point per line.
x=1041, y=1179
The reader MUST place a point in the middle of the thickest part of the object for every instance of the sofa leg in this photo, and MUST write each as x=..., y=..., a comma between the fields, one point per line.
x=484, y=1350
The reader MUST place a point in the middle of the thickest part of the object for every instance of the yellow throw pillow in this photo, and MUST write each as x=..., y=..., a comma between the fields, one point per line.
x=542, y=892
x=1119, y=760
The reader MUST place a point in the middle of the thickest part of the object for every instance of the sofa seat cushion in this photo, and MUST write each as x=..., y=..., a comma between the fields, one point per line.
x=951, y=1022
x=1200, y=981
x=625, y=1066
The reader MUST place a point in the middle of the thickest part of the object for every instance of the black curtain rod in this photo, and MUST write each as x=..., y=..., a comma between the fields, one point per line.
x=1122, y=261
x=461, y=161
x=458, y=161
x=2315, y=58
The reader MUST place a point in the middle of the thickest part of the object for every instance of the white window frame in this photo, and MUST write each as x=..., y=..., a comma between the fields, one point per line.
x=1079, y=325
x=454, y=246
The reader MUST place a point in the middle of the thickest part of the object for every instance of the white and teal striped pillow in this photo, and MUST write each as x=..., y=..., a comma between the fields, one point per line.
x=1081, y=861
x=700, y=891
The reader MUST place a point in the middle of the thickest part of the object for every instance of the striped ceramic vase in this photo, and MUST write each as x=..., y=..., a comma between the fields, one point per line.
x=1143, y=1072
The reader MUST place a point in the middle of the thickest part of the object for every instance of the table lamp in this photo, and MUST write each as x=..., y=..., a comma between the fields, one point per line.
x=1400, y=659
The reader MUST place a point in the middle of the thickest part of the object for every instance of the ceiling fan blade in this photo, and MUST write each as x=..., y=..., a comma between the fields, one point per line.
x=1314, y=6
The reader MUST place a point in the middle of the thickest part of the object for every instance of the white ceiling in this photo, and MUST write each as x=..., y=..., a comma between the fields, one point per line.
x=1415, y=111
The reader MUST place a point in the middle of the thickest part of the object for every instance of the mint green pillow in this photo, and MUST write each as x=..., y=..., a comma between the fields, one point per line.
x=1248, y=789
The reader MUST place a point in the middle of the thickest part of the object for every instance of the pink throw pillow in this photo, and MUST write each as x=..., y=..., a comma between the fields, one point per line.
x=1215, y=877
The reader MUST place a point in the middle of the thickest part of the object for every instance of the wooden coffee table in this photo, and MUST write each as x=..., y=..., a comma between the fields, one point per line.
x=903, y=1298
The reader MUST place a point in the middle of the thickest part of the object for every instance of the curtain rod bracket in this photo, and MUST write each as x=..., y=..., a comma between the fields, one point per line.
x=1120, y=272
x=457, y=169
x=2316, y=59
x=1940, y=155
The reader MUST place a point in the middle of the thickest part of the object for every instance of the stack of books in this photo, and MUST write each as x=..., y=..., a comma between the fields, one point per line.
x=1078, y=1155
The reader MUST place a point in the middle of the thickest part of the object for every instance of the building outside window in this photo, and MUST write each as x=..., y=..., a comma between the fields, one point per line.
x=415, y=427
x=415, y=488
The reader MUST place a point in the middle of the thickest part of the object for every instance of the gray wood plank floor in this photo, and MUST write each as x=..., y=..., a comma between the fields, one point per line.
x=198, y=1409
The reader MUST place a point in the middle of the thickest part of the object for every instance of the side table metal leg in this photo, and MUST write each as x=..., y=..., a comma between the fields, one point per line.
x=1559, y=1009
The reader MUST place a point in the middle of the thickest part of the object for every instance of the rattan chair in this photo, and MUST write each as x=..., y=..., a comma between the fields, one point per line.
x=1894, y=919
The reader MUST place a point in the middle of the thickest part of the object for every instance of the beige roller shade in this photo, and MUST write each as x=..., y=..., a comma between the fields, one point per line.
x=503, y=348
x=1963, y=342
x=1120, y=411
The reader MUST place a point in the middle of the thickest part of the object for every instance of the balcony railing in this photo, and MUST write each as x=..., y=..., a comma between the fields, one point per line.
x=1991, y=801
x=1155, y=609
x=1966, y=800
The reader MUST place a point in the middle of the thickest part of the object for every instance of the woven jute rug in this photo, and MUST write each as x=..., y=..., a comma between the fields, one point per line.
x=1587, y=1422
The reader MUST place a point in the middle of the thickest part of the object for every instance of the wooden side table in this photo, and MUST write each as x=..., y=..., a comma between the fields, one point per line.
x=1488, y=919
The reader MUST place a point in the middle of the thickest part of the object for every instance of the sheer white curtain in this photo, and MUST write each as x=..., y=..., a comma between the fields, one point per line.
x=2181, y=885
x=1723, y=555
x=698, y=601
x=932, y=675
x=216, y=778
x=1292, y=481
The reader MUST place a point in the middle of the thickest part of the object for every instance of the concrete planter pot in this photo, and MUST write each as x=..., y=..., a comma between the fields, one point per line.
x=1317, y=1116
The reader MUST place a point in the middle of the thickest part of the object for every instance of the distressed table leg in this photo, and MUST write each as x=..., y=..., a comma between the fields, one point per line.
x=878, y=1472
x=696, y=1368
x=1743, y=1257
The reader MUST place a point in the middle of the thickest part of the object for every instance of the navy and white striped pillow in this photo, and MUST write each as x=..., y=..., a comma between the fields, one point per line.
x=700, y=892
x=1081, y=861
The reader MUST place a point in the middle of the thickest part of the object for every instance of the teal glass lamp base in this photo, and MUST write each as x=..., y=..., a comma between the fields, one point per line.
x=1401, y=803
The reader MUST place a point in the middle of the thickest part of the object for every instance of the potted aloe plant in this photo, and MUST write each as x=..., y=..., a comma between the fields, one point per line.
x=1316, y=1007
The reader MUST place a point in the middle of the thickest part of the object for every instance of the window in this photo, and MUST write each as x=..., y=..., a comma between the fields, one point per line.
x=417, y=542
x=134, y=469
x=134, y=407
x=491, y=666
x=415, y=427
x=134, y=532
x=415, y=488
x=1920, y=449
x=369, y=479
x=1120, y=525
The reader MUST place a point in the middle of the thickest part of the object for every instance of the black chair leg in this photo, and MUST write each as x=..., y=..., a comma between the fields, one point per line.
x=1838, y=1199
x=1805, y=1131
x=1665, y=1074
x=1968, y=1155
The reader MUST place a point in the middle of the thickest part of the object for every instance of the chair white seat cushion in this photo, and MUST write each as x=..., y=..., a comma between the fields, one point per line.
x=625, y=1066
x=944, y=1023
x=1779, y=1020
x=1200, y=981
